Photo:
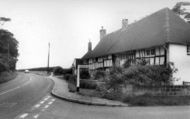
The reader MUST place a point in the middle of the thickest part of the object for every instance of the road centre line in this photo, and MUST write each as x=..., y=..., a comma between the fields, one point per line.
x=15, y=87
x=50, y=103
x=42, y=102
x=46, y=106
x=46, y=98
x=24, y=115
x=37, y=105
x=36, y=116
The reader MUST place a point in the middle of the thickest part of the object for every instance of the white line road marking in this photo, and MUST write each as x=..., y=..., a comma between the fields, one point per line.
x=38, y=105
x=15, y=87
x=24, y=115
x=46, y=106
x=53, y=100
x=42, y=102
x=36, y=116
x=50, y=103
x=46, y=98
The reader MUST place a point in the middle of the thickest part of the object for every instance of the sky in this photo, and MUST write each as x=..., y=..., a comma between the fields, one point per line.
x=68, y=25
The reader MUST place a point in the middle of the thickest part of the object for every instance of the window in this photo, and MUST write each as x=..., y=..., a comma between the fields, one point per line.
x=152, y=51
x=147, y=61
x=109, y=57
x=188, y=49
x=162, y=60
x=100, y=59
x=157, y=62
x=151, y=61
x=148, y=52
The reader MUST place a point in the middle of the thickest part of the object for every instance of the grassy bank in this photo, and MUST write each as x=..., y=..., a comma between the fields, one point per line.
x=7, y=76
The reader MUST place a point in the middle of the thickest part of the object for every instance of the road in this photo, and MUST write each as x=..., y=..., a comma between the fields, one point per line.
x=20, y=94
x=31, y=100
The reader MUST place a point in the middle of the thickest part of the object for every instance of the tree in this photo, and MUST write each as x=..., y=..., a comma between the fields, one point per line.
x=184, y=13
x=8, y=50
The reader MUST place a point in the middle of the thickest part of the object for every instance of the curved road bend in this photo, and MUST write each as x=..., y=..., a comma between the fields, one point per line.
x=22, y=93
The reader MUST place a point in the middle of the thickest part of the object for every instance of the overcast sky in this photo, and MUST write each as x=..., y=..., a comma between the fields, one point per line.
x=67, y=25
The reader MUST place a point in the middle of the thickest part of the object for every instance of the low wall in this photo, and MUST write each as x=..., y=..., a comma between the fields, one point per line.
x=180, y=90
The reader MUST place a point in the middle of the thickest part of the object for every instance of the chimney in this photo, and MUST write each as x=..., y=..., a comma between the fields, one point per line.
x=89, y=46
x=124, y=23
x=102, y=32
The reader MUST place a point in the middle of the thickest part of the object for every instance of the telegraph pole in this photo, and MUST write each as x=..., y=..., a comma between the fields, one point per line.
x=48, y=58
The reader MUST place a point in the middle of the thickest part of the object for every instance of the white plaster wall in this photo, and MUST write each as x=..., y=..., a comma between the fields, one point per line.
x=178, y=55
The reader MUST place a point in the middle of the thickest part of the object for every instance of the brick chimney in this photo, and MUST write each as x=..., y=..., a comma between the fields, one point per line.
x=124, y=23
x=89, y=46
x=102, y=32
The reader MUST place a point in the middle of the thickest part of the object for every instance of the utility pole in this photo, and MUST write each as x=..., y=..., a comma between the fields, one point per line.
x=48, y=58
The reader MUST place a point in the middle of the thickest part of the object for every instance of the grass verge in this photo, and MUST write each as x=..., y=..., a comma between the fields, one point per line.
x=7, y=76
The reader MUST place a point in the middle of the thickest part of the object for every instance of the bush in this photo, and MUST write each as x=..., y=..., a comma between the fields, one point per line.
x=84, y=74
x=148, y=75
x=3, y=66
x=72, y=79
x=136, y=75
x=7, y=76
x=67, y=76
x=99, y=75
x=58, y=71
x=88, y=84
x=111, y=89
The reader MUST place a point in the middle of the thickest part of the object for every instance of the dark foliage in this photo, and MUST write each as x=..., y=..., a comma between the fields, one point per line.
x=139, y=75
x=8, y=50
x=99, y=74
x=58, y=71
x=84, y=74
x=88, y=84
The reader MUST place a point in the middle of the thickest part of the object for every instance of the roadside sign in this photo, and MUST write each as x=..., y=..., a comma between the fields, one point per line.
x=78, y=74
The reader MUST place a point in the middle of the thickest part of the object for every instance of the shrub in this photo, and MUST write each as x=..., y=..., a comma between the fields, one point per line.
x=136, y=75
x=148, y=75
x=58, y=71
x=72, y=79
x=115, y=78
x=67, y=76
x=84, y=74
x=111, y=88
x=3, y=66
x=7, y=76
x=88, y=84
x=99, y=75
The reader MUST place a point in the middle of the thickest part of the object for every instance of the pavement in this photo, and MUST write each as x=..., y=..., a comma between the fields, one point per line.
x=61, y=91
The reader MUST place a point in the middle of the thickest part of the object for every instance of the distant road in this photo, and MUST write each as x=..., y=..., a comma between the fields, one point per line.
x=18, y=95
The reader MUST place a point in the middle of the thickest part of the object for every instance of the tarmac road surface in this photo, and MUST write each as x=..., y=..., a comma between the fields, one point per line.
x=28, y=98
x=22, y=93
